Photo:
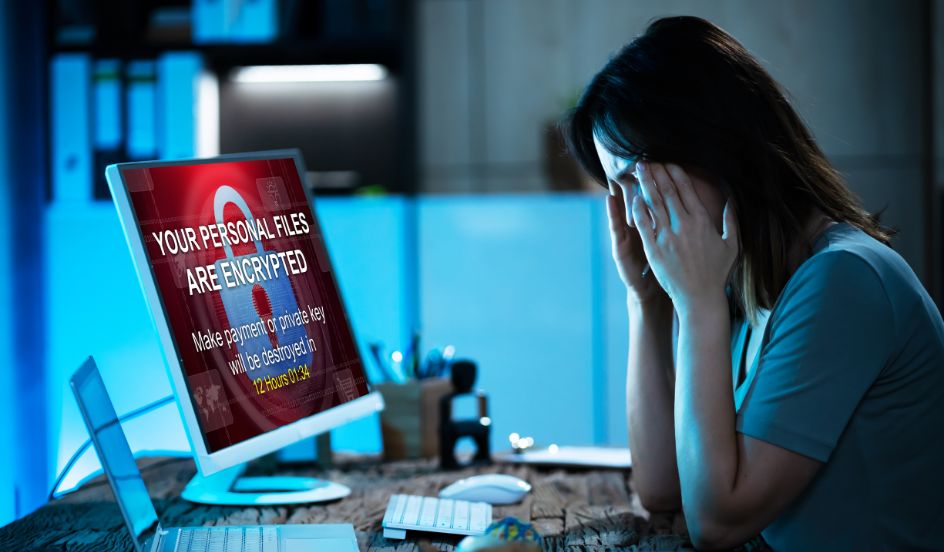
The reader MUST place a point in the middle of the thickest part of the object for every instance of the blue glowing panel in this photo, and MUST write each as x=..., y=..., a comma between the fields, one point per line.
x=615, y=323
x=367, y=242
x=95, y=307
x=507, y=280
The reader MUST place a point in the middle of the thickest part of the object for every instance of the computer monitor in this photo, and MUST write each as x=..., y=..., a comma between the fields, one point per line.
x=251, y=321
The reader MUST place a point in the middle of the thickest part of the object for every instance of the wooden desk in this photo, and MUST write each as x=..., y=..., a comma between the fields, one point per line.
x=590, y=510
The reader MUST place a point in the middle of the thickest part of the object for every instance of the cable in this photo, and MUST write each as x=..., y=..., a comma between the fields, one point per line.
x=88, y=442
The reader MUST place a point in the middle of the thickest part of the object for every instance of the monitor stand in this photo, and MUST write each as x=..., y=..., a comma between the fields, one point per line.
x=227, y=488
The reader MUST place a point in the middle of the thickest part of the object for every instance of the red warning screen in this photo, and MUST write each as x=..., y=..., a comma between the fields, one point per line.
x=246, y=285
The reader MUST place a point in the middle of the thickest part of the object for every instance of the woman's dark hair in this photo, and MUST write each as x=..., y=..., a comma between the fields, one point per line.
x=687, y=92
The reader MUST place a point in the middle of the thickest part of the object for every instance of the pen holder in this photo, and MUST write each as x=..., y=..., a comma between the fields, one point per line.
x=409, y=422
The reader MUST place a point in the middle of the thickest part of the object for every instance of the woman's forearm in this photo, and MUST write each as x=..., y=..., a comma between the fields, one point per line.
x=649, y=405
x=706, y=442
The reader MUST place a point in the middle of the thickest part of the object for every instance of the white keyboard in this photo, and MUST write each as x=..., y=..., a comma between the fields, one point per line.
x=438, y=515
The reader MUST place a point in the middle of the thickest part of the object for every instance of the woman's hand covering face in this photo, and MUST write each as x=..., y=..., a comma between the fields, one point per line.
x=688, y=256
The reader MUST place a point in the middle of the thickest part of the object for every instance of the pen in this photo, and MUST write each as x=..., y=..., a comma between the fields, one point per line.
x=415, y=356
x=385, y=371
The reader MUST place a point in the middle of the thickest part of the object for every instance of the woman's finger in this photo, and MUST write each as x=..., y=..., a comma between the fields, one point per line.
x=644, y=225
x=674, y=205
x=616, y=214
x=652, y=197
x=621, y=210
x=627, y=215
x=686, y=189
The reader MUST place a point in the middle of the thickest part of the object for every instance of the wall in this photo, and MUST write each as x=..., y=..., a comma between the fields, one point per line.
x=7, y=511
x=492, y=74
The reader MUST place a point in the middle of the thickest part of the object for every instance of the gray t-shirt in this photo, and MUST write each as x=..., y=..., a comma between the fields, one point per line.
x=851, y=373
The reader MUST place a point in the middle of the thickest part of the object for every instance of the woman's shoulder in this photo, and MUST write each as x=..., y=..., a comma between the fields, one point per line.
x=851, y=270
x=839, y=289
x=843, y=264
x=849, y=252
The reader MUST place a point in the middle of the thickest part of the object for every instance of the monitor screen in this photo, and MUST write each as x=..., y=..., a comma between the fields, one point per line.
x=246, y=286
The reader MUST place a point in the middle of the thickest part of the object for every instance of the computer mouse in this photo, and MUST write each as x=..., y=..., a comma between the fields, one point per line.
x=493, y=488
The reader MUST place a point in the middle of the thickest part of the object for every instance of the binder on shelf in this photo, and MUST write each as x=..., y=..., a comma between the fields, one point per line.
x=207, y=21
x=107, y=119
x=178, y=76
x=217, y=21
x=142, y=110
x=70, y=108
x=107, y=91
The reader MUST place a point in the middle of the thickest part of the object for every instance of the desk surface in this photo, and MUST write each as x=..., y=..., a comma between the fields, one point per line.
x=590, y=509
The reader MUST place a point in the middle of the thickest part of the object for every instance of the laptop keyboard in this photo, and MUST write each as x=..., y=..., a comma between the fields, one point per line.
x=228, y=539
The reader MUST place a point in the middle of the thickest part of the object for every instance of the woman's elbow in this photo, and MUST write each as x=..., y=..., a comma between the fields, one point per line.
x=706, y=540
x=657, y=492
x=707, y=534
x=660, y=501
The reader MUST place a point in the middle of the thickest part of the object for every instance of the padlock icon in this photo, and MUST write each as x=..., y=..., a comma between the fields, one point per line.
x=262, y=300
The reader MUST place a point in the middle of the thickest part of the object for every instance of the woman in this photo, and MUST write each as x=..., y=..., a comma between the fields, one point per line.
x=805, y=399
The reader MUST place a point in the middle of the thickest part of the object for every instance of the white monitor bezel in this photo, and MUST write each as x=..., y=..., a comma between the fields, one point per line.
x=270, y=441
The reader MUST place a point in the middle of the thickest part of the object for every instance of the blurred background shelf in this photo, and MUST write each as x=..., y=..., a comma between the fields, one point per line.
x=362, y=128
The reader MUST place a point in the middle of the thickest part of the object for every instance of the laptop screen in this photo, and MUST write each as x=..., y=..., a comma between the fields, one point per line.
x=246, y=285
x=114, y=453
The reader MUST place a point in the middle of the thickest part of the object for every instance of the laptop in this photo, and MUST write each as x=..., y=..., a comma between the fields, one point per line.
x=138, y=511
